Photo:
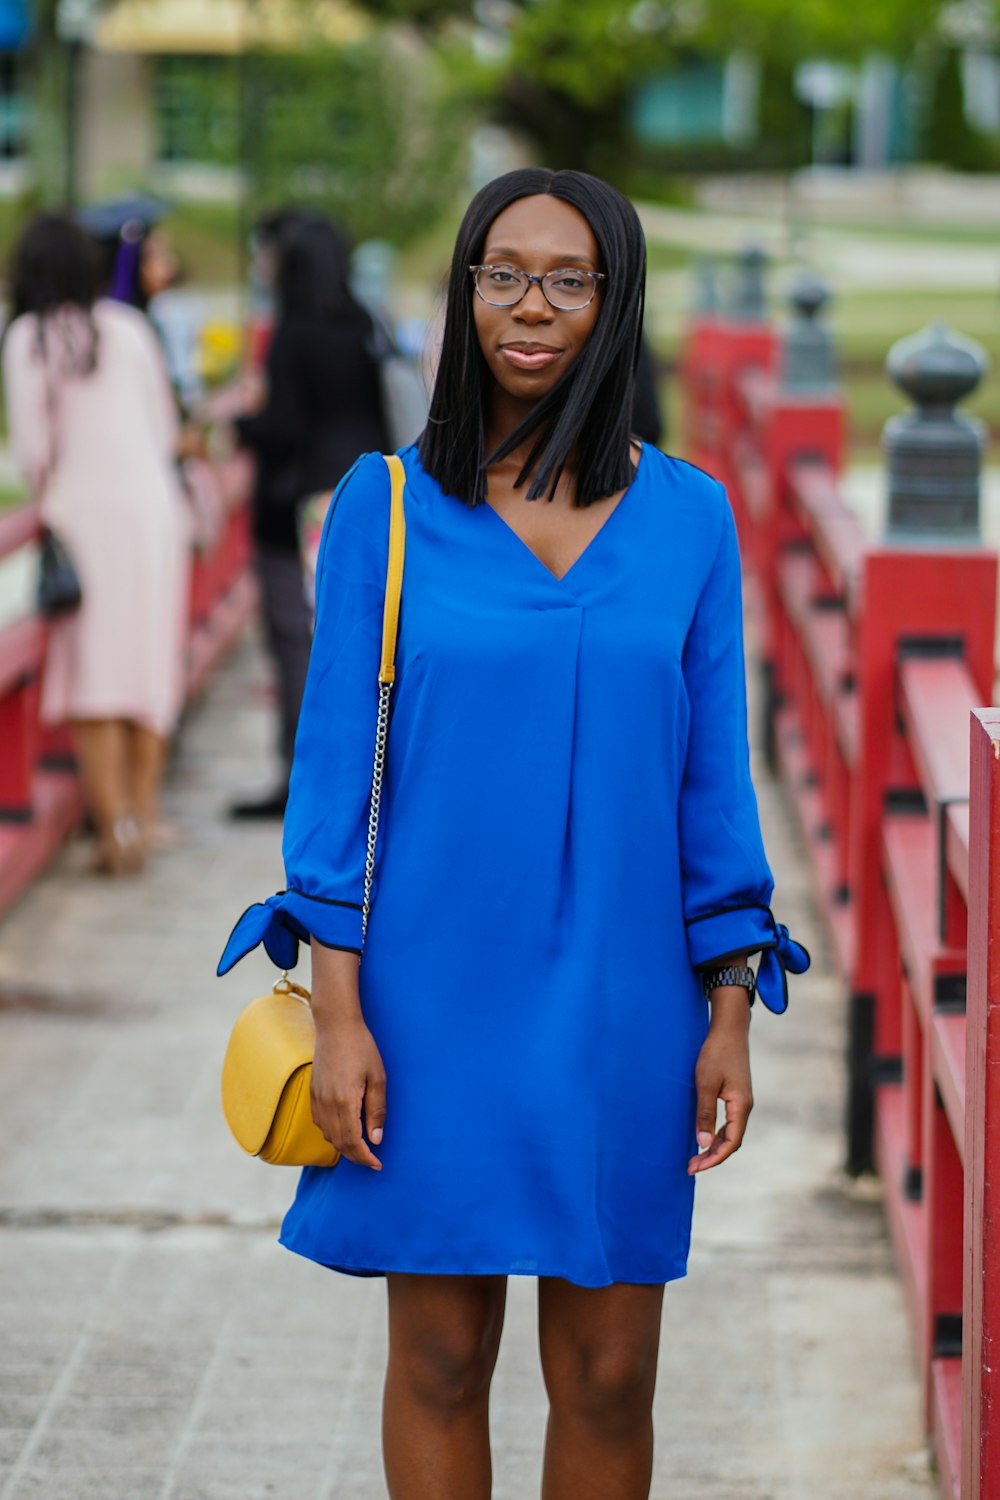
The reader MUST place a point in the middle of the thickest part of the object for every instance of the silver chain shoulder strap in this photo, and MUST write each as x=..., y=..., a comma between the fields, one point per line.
x=381, y=733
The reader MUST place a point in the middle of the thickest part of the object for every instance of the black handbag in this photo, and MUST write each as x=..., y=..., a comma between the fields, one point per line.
x=59, y=590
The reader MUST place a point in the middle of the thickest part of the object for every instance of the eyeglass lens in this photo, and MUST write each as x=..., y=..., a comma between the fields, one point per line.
x=566, y=289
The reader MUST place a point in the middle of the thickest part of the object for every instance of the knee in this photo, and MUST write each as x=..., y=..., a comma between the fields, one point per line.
x=608, y=1389
x=449, y=1370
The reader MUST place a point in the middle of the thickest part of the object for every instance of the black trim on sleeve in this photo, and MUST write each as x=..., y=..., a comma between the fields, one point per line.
x=723, y=958
x=326, y=900
x=338, y=947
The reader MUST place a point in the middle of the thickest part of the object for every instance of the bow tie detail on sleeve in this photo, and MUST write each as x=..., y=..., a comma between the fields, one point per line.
x=778, y=959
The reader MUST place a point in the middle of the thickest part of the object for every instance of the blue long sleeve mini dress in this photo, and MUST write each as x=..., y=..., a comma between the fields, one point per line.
x=568, y=831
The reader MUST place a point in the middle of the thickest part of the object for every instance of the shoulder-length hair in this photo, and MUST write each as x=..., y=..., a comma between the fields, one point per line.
x=588, y=411
x=55, y=266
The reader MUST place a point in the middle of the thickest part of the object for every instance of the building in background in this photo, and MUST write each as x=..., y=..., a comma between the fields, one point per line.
x=14, y=31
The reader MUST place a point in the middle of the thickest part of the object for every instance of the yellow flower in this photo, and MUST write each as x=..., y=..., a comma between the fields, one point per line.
x=220, y=349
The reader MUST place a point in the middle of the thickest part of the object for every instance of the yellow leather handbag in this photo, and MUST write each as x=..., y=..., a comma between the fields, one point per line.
x=267, y=1069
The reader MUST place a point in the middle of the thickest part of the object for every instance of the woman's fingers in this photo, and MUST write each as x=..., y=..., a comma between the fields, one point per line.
x=347, y=1071
x=716, y=1146
x=340, y=1123
x=352, y=1143
x=375, y=1108
x=708, y=1099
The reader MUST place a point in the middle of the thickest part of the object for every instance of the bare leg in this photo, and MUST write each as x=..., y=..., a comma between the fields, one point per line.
x=102, y=750
x=599, y=1349
x=147, y=761
x=444, y=1336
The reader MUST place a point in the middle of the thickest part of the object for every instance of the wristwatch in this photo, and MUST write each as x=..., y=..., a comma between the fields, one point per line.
x=742, y=975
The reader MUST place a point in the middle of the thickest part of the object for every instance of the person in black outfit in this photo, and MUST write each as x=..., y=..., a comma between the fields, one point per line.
x=323, y=408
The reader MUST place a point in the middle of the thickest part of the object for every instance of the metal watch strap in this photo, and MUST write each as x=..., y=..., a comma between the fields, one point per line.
x=741, y=975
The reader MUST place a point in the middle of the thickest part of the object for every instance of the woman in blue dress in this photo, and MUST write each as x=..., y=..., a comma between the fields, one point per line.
x=523, y=1074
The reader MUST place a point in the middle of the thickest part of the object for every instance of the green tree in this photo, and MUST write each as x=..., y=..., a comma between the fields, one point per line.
x=372, y=133
x=571, y=66
x=947, y=135
x=820, y=28
x=571, y=71
x=47, y=82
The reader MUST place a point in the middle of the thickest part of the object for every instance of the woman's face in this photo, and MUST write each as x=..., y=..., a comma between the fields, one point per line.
x=529, y=346
x=158, y=266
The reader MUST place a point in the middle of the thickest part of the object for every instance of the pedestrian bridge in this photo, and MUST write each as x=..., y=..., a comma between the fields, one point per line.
x=159, y=1345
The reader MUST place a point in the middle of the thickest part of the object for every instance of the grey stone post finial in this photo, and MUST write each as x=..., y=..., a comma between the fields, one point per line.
x=808, y=361
x=706, y=285
x=749, y=298
x=934, y=454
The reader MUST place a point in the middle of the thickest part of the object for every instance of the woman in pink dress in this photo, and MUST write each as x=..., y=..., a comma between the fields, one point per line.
x=94, y=428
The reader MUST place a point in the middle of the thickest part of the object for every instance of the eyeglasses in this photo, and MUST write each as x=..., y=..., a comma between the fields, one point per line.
x=566, y=289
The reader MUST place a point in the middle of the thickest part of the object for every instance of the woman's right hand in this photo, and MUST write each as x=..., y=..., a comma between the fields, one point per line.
x=348, y=1074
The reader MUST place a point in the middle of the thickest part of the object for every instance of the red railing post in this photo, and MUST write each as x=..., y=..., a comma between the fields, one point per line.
x=981, y=1304
x=696, y=362
x=18, y=720
x=721, y=348
x=803, y=422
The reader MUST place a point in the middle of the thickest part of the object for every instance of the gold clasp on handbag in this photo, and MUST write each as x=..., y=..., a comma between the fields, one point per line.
x=286, y=986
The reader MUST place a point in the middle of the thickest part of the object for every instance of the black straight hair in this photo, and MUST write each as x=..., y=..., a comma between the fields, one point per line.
x=54, y=265
x=314, y=266
x=588, y=412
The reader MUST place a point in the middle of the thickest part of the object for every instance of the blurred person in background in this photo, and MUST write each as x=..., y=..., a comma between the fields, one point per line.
x=141, y=268
x=137, y=259
x=265, y=239
x=94, y=428
x=322, y=407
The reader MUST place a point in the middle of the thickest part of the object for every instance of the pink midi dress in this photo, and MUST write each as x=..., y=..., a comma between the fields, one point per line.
x=97, y=449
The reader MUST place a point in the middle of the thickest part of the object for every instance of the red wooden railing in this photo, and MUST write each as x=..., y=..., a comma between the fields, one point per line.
x=980, y=1472
x=40, y=800
x=876, y=655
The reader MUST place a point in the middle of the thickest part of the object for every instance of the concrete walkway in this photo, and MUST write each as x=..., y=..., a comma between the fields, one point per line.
x=156, y=1344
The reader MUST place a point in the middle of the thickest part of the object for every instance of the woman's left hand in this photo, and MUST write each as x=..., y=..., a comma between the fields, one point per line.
x=723, y=1072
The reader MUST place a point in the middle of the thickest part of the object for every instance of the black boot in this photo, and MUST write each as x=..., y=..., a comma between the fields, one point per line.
x=270, y=806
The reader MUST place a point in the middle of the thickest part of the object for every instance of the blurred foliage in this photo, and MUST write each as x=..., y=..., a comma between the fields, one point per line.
x=820, y=28
x=573, y=65
x=947, y=137
x=198, y=108
x=46, y=64
x=563, y=72
x=374, y=134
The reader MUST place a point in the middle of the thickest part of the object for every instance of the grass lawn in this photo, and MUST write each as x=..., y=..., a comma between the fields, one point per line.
x=865, y=324
x=11, y=496
x=207, y=239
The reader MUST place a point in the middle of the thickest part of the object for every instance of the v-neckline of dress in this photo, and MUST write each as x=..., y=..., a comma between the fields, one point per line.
x=560, y=579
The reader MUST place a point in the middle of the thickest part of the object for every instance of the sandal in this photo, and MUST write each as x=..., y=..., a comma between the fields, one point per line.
x=121, y=852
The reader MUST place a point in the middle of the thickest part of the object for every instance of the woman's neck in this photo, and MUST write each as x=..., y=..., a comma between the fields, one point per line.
x=505, y=415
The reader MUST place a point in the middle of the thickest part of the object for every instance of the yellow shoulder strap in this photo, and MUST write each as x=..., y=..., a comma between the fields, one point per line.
x=394, y=572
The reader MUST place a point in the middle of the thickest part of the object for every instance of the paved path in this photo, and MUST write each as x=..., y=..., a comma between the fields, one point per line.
x=157, y=1345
